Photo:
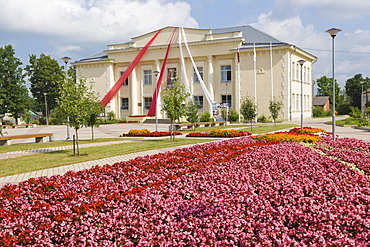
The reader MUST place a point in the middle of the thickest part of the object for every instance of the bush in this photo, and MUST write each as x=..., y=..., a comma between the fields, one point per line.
x=36, y=122
x=317, y=111
x=54, y=121
x=206, y=117
x=262, y=119
x=111, y=116
x=7, y=122
x=355, y=112
x=234, y=116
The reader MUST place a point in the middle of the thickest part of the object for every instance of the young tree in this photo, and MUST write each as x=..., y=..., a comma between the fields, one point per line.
x=275, y=107
x=173, y=102
x=14, y=96
x=93, y=112
x=192, y=113
x=45, y=76
x=248, y=109
x=76, y=101
x=354, y=87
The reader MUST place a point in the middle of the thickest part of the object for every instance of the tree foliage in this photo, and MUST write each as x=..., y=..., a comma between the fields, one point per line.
x=325, y=88
x=78, y=102
x=14, y=96
x=275, y=107
x=353, y=89
x=173, y=102
x=248, y=109
x=192, y=112
x=45, y=76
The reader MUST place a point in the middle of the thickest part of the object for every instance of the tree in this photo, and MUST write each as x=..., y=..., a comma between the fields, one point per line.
x=173, y=101
x=248, y=109
x=353, y=89
x=76, y=101
x=192, y=113
x=325, y=88
x=93, y=112
x=275, y=107
x=14, y=96
x=45, y=76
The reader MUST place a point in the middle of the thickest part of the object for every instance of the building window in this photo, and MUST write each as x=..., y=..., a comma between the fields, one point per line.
x=225, y=73
x=293, y=70
x=196, y=79
x=226, y=99
x=147, y=102
x=198, y=101
x=124, y=104
x=148, y=77
x=125, y=83
x=304, y=74
x=297, y=72
x=171, y=75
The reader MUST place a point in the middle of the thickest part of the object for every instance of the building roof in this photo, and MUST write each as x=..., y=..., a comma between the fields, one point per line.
x=101, y=56
x=320, y=100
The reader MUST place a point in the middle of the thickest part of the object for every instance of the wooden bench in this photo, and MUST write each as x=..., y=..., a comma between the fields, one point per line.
x=7, y=140
x=196, y=125
x=17, y=125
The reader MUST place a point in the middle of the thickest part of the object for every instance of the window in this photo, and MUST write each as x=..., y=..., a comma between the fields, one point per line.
x=125, y=83
x=225, y=73
x=196, y=79
x=147, y=102
x=297, y=72
x=124, y=104
x=171, y=75
x=293, y=70
x=304, y=74
x=226, y=99
x=148, y=77
x=293, y=102
x=198, y=100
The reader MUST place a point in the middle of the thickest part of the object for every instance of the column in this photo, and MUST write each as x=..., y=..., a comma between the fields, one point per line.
x=211, y=81
x=133, y=93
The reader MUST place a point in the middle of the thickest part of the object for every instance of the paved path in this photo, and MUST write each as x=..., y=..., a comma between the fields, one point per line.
x=110, y=131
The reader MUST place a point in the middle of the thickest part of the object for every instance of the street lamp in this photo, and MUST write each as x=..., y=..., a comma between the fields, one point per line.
x=66, y=60
x=46, y=110
x=301, y=62
x=227, y=100
x=333, y=32
x=362, y=97
x=156, y=73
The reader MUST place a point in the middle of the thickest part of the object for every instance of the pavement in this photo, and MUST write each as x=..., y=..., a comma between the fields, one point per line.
x=113, y=131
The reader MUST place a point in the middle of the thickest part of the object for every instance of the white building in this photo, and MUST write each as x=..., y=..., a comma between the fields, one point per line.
x=233, y=63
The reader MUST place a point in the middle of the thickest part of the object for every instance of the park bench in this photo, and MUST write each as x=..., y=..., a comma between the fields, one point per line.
x=17, y=125
x=7, y=140
x=196, y=125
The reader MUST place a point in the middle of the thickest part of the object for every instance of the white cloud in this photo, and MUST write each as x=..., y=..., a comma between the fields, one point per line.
x=93, y=20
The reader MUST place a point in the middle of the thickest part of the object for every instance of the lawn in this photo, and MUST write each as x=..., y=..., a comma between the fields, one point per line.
x=41, y=161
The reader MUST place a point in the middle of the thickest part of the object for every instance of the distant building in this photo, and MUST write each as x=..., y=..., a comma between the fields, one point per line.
x=233, y=62
x=322, y=101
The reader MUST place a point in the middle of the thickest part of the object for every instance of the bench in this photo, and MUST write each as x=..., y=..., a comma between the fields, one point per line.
x=196, y=125
x=17, y=125
x=7, y=140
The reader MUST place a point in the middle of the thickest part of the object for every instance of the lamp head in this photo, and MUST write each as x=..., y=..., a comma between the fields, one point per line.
x=156, y=73
x=66, y=59
x=333, y=32
x=301, y=62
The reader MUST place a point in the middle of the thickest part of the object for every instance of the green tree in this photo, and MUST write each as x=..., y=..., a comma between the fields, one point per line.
x=93, y=111
x=173, y=101
x=325, y=88
x=275, y=107
x=353, y=89
x=14, y=96
x=248, y=109
x=45, y=76
x=192, y=113
x=75, y=101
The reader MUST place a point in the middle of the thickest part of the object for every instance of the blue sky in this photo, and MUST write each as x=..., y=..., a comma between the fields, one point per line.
x=79, y=28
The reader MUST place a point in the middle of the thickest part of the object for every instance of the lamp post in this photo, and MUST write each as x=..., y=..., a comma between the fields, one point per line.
x=362, y=98
x=227, y=99
x=156, y=102
x=66, y=60
x=46, y=110
x=333, y=33
x=301, y=62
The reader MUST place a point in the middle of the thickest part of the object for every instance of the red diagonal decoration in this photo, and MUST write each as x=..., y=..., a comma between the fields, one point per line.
x=153, y=105
x=126, y=74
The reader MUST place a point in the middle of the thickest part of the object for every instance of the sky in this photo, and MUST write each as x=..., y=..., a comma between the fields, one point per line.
x=80, y=28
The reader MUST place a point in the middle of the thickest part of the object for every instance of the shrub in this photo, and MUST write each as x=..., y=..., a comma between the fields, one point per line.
x=355, y=112
x=54, y=121
x=262, y=119
x=111, y=116
x=206, y=117
x=234, y=116
x=317, y=111
x=36, y=122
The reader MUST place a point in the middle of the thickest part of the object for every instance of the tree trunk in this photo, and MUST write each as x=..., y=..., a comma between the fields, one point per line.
x=78, y=148
x=92, y=133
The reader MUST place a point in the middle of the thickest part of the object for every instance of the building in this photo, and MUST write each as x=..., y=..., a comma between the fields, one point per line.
x=233, y=63
x=322, y=101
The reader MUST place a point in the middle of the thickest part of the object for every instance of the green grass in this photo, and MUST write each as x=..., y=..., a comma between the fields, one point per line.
x=348, y=121
x=27, y=146
x=41, y=161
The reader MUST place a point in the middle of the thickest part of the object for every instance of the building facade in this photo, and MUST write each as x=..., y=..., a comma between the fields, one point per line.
x=233, y=63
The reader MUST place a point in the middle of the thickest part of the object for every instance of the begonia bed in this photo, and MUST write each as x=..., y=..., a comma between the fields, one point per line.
x=237, y=192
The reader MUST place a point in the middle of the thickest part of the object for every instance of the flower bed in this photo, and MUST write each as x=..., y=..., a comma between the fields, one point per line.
x=238, y=192
x=294, y=135
x=219, y=133
x=147, y=133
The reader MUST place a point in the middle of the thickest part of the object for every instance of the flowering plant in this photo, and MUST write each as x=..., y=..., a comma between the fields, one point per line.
x=136, y=132
x=293, y=135
x=147, y=133
x=219, y=133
